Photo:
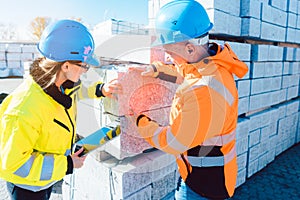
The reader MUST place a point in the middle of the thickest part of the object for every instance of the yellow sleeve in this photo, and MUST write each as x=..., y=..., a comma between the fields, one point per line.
x=91, y=91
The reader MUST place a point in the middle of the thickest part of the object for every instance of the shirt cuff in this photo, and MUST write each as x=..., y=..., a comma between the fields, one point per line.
x=70, y=165
x=98, y=92
x=142, y=120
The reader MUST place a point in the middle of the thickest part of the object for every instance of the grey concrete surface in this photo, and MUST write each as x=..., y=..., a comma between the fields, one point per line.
x=279, y=180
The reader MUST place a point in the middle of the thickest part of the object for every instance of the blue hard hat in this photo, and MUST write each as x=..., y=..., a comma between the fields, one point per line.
x=66, y=40
x=181, y=20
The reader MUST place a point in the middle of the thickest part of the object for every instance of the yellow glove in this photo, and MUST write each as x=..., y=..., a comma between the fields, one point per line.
x=111, y=134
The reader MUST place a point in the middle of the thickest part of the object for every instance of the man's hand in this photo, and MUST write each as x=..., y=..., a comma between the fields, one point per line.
x=146, y=70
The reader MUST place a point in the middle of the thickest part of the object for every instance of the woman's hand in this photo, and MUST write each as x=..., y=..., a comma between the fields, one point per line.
x=112, y=87
x=78, y=161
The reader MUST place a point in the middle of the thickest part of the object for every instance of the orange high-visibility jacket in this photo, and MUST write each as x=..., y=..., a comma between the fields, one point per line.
x=203, y=119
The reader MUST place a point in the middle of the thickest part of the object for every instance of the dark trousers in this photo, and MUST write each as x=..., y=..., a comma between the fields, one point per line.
x=17, y=193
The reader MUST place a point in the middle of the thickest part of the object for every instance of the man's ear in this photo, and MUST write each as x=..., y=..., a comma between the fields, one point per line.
x=190, y=49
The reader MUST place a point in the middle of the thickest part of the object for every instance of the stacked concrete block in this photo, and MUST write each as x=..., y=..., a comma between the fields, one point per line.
x=274, y=15
x=13, y=57
x=297, y=54
x=115, y=27
x=271, y=76
x=28, y=52
x=262, y=139
x=292, y=6
x=4, y=71
x=152, y=97
x=243, y=105
x=287, y=126
x=242, y=50
x=147, y=176
x=250, y=14
x=242, y=132
x=277, y=34
x=224, y=14
x=282, y=5
x=259, y=52
x=292, y=31
x=2, y=56
x=270, y=20
x=298, y=130
x=271, y=132
x=242, y=170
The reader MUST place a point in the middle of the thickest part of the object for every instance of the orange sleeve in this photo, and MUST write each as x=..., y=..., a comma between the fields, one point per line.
x=192, y=121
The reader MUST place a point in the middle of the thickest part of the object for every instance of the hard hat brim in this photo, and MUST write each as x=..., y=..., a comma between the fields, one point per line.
x=93, y=60
x=177, y=38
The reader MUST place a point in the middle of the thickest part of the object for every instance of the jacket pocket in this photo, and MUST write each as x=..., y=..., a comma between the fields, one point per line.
x=61, y=124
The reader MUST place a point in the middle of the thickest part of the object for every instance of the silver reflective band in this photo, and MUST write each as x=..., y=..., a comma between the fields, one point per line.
x=221, y=89
x=47, y=167
x=212, y=161
x=68, y=152
x=199, y=41
x=155, y=137
x=219, y=140
x=173, y=143
x=215, y=85
x=171, y=140
x=24, y=170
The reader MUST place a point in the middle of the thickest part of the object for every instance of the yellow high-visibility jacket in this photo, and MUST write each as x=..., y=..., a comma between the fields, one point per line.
x=203, y=119
x=37, y=130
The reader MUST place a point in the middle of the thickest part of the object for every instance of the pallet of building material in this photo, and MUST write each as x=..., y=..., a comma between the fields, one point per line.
x=147, y=95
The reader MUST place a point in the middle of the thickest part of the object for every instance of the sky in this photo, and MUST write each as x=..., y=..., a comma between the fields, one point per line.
x=20, y=13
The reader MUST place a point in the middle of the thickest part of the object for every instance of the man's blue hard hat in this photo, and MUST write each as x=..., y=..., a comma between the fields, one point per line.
x=181, y=20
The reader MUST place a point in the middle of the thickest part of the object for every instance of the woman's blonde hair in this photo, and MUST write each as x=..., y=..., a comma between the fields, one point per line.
x=44, y=71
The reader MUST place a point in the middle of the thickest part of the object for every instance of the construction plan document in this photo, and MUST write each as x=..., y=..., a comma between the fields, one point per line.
x=96, y=139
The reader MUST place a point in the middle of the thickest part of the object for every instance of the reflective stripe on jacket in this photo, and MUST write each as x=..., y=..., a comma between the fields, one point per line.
x=36, y=135
x=203, y=118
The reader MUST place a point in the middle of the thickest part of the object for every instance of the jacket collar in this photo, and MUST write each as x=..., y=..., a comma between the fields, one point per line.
x=219, y=57
x=61, y=98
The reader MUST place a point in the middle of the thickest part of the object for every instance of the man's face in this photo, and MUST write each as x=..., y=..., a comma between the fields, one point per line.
x=177, y=52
